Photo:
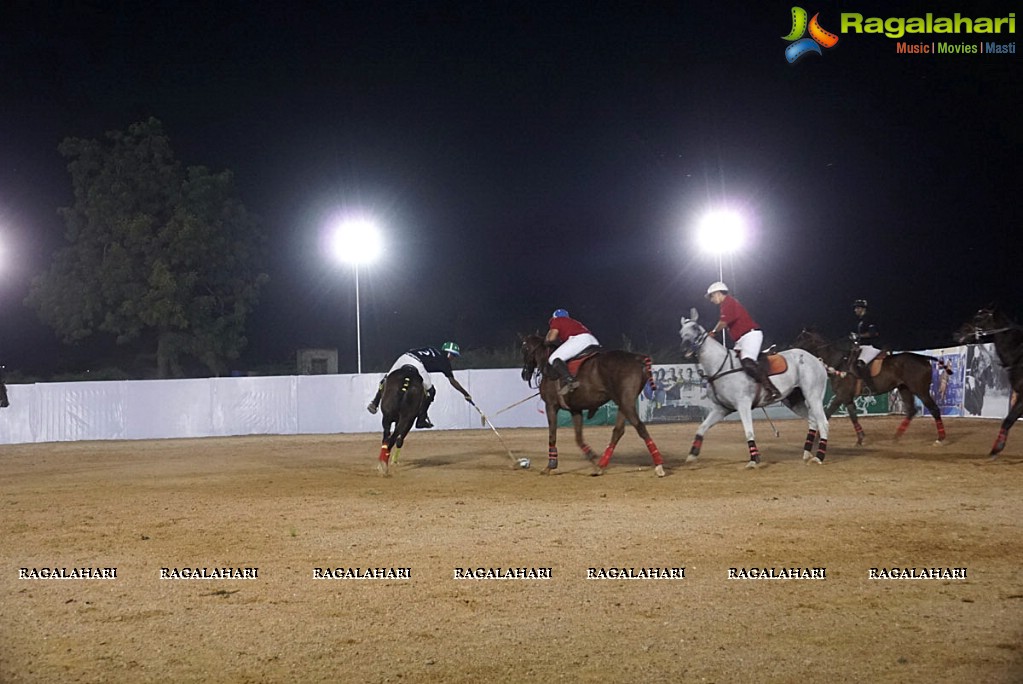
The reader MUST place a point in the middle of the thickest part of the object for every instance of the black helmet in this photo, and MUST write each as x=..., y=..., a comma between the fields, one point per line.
x=859, y=303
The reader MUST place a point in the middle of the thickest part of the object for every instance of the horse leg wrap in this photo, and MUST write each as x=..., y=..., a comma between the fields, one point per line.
x=941, y=430
x=754, y=452
x=1003, y=437
x=588, y=452
x=606, y=458
x=384, y=453
x=697, y=445
x=822, y=449
x=811, y=437
x=903, y=426
x=859, y=431
x=654, y=452
x=552, y=458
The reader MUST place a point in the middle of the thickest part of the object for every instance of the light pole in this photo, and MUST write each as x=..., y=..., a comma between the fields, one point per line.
x=356, y=240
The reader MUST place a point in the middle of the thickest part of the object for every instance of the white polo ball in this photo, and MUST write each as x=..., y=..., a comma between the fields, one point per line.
x=523, y=463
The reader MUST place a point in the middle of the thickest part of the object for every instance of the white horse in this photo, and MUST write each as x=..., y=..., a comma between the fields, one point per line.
x=802, y=387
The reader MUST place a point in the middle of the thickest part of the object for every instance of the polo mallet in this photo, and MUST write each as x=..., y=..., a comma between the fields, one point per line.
x=776, y=433
x=486, y=421
x=508, y=408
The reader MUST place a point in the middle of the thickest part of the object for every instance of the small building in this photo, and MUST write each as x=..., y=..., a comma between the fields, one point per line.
x=317, y=361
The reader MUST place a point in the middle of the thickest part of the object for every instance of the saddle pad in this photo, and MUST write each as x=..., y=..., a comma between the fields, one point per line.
x=776, y=364
x=573, y=364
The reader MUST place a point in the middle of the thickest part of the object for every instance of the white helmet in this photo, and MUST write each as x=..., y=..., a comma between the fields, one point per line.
x=716, y=287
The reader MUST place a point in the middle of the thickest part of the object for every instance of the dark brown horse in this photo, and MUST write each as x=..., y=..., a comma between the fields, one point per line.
x=1008, y=339
x=400, y=403
x=617, y=376
x=908, y=372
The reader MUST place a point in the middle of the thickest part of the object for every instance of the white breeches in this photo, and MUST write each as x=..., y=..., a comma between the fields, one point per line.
x=409, y=360
x=868, y=353
x=749, y=344
x=573, y=346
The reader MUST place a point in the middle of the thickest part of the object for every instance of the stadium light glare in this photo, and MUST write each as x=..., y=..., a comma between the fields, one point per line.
x=721, y=232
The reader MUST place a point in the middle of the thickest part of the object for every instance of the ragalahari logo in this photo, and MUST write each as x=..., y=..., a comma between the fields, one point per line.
x=802, y=46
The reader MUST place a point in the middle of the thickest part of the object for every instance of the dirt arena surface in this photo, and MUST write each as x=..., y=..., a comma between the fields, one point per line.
x=289, y=505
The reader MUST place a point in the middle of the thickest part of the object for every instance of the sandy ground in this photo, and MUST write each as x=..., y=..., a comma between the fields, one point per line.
x=289, y=505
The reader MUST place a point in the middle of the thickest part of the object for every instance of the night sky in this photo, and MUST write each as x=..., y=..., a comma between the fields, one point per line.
x=522, y=157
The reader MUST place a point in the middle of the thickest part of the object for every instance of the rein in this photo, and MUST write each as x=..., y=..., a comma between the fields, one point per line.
x=719, y=373
x=979, y=332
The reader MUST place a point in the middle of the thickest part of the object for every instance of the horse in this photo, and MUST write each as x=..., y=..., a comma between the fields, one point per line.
x=908, y=372
x=612, y=375
x=802, y=385
x=4, y=403
x=400, y=404
x=1008, y=339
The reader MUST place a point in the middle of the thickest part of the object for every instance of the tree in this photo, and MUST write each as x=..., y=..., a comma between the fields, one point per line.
x=156, y=253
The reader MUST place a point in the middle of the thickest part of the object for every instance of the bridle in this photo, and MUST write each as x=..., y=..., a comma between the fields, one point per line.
x=537, y=371
x=697, y=344
x=979, y=332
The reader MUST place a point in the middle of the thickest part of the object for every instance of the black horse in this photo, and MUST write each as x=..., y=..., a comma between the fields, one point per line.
x=908, y=372
x=4, y=403
x=616, y=375
x=400, y=404
x=1008, y=339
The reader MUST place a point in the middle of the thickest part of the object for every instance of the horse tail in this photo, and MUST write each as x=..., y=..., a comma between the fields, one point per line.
x=648, y=371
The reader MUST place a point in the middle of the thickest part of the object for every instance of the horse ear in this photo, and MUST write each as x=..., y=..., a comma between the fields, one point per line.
x=694, y=314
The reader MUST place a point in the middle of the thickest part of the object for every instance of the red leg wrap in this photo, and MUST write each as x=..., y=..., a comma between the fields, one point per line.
x=697, y=445
x=1003, y=436
x=654, y=451
x=822, y=449
x=384, y=453
x=903, y=426
x=941, y=430
x=606, y=458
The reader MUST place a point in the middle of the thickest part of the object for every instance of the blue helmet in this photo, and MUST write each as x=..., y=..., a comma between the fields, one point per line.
x=559, y=313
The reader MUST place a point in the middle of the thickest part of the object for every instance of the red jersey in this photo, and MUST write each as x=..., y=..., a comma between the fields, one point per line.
x=736, y=318
x=567, y=327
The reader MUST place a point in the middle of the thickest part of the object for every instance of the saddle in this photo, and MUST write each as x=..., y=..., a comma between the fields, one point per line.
x=772, y=364
x=576, y=361
x=874, y=367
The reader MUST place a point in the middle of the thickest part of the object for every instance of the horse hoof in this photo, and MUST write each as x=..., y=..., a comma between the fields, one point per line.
x=597, y=472
x=382, y=468
x=692, y=459
x=939, y=442
x=807, y=456
x=752, y=465
x=545, y=471
x=816, y=460
x=659, y=469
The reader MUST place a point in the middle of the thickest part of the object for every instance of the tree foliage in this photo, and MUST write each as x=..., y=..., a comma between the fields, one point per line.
x=156, y=253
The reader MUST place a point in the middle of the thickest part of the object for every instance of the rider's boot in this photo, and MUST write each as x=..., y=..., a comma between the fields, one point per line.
x=754, y=370
x=423, y=420
x=568, y=383
x=372, y=405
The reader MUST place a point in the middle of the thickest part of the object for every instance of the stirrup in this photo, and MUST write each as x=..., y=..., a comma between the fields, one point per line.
x=568, y=387
x=423, y=422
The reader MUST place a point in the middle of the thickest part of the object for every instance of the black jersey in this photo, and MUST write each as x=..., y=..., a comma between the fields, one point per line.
x=433, y=360
x=868, y=332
